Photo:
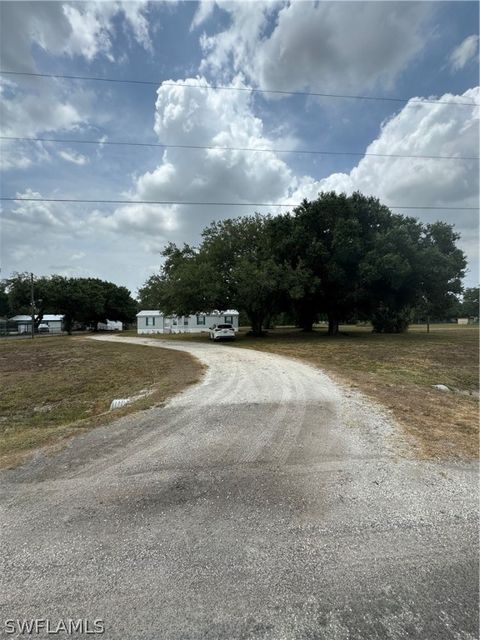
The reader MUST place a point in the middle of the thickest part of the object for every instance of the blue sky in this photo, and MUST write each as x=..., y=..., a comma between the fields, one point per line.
x=427, y=51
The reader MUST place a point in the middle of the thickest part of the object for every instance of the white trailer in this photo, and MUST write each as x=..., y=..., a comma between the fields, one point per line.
x=156, y=322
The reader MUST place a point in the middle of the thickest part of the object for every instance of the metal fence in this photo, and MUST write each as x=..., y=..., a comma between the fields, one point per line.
x=24, y=329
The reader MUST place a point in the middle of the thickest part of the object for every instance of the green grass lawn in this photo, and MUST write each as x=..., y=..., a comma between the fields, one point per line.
x=55, y=387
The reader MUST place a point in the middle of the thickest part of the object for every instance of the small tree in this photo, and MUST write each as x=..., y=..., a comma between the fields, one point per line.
x=470, y=305
x=19, y=291
x=442, y=267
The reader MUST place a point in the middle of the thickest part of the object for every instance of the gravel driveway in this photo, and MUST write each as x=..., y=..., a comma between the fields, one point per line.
x=265, y=502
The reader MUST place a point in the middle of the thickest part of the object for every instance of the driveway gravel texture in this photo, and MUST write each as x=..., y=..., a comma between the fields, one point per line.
x=264, y=502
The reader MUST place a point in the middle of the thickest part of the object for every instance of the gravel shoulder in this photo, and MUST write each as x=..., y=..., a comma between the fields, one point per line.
x=264, y=502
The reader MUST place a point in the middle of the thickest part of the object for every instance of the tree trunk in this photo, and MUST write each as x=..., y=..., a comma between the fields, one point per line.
x=38, y=319
x=332, y=325
x=428, y=324
x=257, y=328
x=305, y=316
x=68, y=324
x=307, y=325
x=256, y=323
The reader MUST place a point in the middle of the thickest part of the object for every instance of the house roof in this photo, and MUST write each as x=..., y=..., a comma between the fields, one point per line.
x=216, y=312
x=228, y=312
x=141, y=314
x=48, y=317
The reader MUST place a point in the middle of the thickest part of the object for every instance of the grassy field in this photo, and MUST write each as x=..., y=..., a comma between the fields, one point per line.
x=55, y=387
x=398, y=371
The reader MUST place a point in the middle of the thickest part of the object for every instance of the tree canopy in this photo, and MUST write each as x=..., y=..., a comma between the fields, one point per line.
x=338, y=256
x=83, y=300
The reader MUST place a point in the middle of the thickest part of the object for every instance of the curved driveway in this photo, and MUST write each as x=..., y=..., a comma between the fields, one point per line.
x=264, y=502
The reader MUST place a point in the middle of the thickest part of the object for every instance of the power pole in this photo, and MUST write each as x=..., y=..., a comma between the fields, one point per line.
x=32, y=302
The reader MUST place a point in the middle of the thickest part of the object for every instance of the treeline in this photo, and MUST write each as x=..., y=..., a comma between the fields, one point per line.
x=337, y=257
x=85, y=301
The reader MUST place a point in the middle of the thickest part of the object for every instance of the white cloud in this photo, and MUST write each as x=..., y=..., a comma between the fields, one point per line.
x=464, y=53
x=200, y=117
x=52, y=217
x=33, y=106
x=151, y=223
x=71, y=28
x=91, y=27
x=25, y=114
x=203, y=12
x=89, y=34
x=75, y=158
x=135, y=15
x=41, y=109
x=319, y=46
x=420, y=129
x=196, y=116
x=55, y=237
x=234, y=50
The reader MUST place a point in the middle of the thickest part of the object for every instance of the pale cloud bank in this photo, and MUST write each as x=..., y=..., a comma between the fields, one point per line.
x=86, y=29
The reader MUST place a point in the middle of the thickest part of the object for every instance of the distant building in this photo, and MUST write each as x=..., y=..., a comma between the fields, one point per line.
x=157, y=322
x=51, y=323
x=110, y=325
x=462, y=320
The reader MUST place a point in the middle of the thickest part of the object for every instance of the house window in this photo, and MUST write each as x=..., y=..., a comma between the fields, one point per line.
x=200, y=319
x=228, y=319
x=174, y=322
x=185, y=321
x=149, y=321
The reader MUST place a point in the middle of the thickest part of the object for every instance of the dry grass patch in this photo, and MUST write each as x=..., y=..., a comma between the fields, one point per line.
x=53, y=388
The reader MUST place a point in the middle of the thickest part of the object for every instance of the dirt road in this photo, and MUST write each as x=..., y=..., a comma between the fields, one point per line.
x=264, y=502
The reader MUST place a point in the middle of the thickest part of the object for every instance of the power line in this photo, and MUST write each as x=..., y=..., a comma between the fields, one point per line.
x=262, y=150
x=222, y=204
x=223, y=88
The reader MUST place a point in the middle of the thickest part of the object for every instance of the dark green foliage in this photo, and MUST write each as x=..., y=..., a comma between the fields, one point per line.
x=84, y=300
x=4, y=306
x=391, y=319
x=339, y=257
x=329, y=241
x=469, y=307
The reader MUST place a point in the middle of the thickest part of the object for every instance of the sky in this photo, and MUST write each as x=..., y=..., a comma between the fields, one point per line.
x=424, y=53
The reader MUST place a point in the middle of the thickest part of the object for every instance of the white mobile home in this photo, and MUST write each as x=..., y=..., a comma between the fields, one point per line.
x=157, y=322
x=110, y=325
x=53, y=321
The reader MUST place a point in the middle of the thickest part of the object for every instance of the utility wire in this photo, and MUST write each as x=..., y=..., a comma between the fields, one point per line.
x=222, y=204
x=262, y=150
x=223, y=88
